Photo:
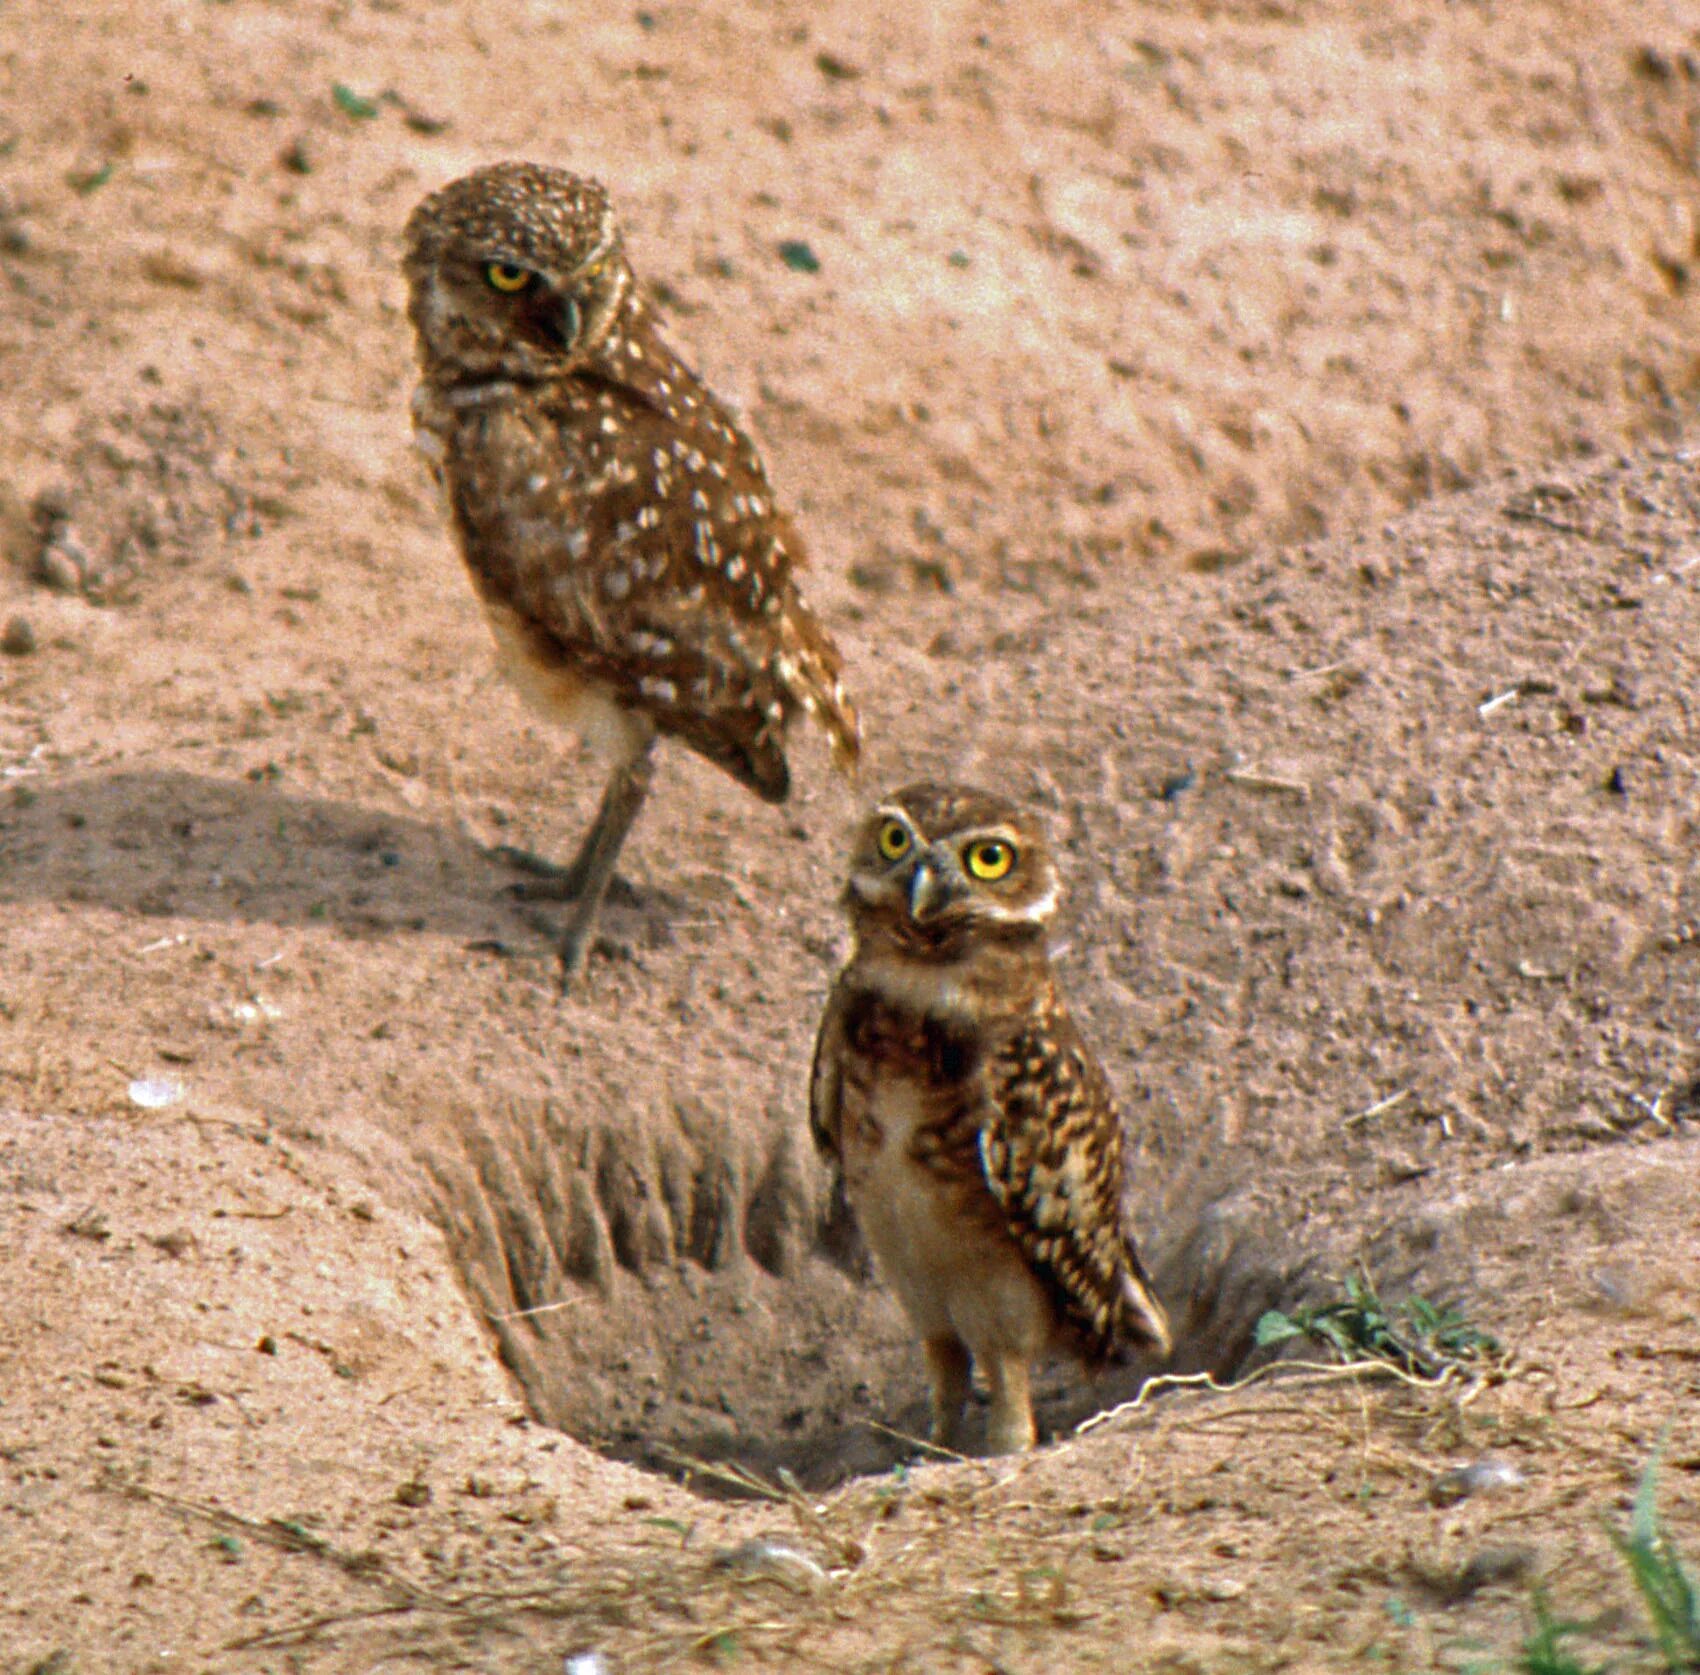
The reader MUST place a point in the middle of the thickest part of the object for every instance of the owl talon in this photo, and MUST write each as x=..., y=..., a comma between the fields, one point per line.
x=564, y=888
x=570, y=966
x=948, y=1372
x=549, y=880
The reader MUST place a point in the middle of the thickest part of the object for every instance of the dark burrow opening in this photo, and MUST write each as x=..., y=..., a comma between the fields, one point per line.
x=671, y=1298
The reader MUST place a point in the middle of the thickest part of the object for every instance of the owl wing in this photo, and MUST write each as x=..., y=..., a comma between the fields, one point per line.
x=647, y=548
x=839, y=1234
x=1051, y=1152
x=826, y=1078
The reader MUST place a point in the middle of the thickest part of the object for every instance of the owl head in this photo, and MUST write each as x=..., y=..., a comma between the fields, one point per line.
x=935, y=866
x=515, y=271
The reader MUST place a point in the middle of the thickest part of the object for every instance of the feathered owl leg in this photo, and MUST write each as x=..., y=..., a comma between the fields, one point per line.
x=593, y=866
x=948, y=1373
x=1009, y=1426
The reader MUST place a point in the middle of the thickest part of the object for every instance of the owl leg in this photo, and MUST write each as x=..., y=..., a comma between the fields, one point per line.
x=593, y=866
x=947, y=1371
x=1009, y=1427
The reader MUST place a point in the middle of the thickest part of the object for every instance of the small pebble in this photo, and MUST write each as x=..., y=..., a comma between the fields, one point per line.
x=154, y=1093
x=1463, y=1481
x=63, y=565
x=18, y=640
x=772, y=1559
x=414, y=1492
x=1492, y=1566
x=797, y=255
x=585, y=1663
x=51, y=511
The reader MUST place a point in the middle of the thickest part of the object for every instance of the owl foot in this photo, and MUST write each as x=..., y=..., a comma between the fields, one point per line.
x=548, y=880
x=628, y=786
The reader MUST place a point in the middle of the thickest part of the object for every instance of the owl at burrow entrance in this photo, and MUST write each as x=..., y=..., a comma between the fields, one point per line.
x=972, y=1129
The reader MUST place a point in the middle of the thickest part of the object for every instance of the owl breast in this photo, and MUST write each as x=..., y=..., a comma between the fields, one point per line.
x=555, y=690
x=911, y=1172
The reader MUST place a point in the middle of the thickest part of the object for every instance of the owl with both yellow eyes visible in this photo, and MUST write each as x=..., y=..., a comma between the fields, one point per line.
x=972, y=1130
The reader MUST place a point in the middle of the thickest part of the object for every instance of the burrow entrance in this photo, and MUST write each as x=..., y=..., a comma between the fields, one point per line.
x=676, y=1295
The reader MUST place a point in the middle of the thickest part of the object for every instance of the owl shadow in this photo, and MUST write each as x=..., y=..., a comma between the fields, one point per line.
x=1222, y=1264
x=872, y=1419
x=174, y=844
x=1225, y=1261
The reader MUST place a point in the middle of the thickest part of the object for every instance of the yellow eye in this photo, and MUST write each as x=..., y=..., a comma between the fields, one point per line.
x=508, y=277
x=894, y=840
x=990, y=858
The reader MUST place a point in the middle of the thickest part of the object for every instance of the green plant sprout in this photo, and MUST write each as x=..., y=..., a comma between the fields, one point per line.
x=1415, y=1335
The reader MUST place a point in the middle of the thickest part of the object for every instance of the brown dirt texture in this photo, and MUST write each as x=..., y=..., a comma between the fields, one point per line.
x=1258, y=432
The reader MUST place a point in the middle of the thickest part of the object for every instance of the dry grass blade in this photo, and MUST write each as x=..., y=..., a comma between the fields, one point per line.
x=920, y=1444
x=618, y=1590
x=1310, y=1372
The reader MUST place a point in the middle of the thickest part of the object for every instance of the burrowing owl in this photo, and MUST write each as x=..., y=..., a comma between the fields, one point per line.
x=972, y=1128
x=619, y=526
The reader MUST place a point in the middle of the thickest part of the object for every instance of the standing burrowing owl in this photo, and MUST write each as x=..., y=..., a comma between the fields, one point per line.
x=619, y=527
x=972, y=1127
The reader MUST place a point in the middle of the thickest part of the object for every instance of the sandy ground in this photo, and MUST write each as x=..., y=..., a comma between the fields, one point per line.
x=1258, y=434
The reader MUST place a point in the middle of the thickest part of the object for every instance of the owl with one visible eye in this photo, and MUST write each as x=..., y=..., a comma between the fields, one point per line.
x=972, y=1129
x=620, y=529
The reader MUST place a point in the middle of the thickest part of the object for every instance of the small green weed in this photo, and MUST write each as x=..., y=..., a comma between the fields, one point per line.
x=1667, y=1591
x=1666, y=1588
x=799, y=256
x=1544, y=1651
x=84, y=181
x=1419, y=1337
x=353, y=104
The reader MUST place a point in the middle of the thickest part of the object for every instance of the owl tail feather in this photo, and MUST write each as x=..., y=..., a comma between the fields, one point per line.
x=844, y=728
x=1143, y=1319
x=826, y=700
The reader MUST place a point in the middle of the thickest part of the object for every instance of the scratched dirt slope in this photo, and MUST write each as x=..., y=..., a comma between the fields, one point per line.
x=1133, y=332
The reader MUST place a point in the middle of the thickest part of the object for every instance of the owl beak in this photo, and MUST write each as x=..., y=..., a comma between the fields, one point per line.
x=932, y=889
x=569, y=323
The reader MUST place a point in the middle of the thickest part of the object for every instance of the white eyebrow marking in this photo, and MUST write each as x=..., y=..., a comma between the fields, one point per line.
x=1039, y=908
x=996, y=834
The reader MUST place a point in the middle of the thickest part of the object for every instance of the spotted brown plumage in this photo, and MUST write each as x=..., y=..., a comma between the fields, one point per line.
x=974, y=1133
x=618, y=525
x=1053, y=1161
